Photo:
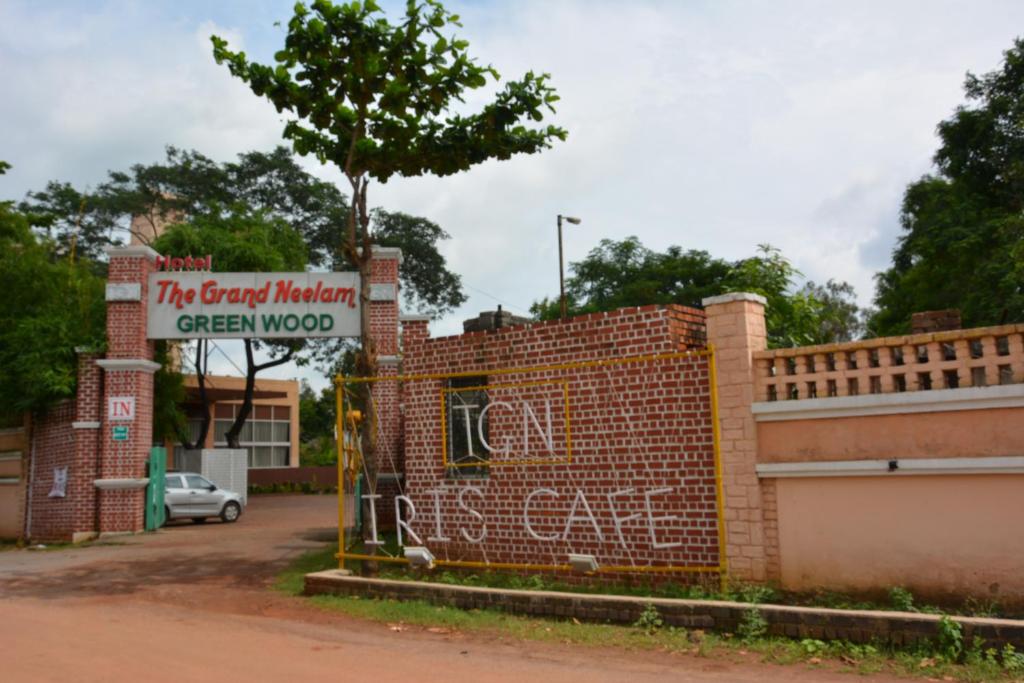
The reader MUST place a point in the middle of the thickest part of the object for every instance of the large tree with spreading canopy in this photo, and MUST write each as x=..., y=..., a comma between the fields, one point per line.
x=962, y=244
x=378, y=99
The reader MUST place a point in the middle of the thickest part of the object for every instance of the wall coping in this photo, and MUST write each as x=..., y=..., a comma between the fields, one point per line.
x=933, y=401
x=734, y=296
x=120, y=484
x=817, y=622
x=572, y=322
x=138, y=364
x=1013, y=464
x=132, y=250
x=387, y=253
x=901, y=340
x=414, y=318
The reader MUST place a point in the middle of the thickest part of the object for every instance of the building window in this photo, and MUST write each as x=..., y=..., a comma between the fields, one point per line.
x=266, y=435
x=468, y=427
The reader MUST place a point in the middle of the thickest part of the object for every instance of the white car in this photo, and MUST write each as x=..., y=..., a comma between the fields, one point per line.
x=192, y=496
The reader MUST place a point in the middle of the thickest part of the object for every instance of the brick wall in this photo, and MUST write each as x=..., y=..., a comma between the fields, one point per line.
x=68, y=435
x=935, y=321
x=53, y=442
x=635, y=428
x=322, y=477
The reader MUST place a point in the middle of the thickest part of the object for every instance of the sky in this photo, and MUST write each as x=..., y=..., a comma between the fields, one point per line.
x=711, y=125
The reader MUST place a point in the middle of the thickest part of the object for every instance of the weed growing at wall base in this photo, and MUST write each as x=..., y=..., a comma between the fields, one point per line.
x=649, y=620
x=753, y=625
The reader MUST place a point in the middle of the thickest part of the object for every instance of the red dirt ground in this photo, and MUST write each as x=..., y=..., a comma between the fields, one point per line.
x=193, y=603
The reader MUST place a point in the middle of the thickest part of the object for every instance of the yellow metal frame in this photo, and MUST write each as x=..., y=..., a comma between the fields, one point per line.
x=339, y=431
x=506, y=463
x=721, y=569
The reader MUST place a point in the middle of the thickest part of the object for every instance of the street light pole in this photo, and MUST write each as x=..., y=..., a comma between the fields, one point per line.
x=561, y=263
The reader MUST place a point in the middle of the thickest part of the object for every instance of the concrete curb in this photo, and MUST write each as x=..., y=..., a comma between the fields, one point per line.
x=857, y=626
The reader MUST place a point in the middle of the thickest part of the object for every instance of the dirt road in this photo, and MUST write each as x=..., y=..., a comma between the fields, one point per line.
x=191, y=603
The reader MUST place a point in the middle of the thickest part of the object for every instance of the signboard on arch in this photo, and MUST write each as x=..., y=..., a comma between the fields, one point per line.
x=194, y=305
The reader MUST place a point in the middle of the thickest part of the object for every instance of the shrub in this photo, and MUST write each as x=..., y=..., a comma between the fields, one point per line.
x=950, y=640
x=650, y=620
x=753, y=625
x=902, y=599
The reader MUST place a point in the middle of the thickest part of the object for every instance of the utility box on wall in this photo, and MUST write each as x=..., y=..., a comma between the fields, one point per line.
x=228, y=468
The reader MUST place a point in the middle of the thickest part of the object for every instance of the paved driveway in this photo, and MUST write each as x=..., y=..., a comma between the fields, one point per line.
x=191, y=603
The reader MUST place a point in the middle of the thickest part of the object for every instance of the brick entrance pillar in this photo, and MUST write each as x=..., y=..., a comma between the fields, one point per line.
x=384, y=331
x=128, y=374
x=736, y=329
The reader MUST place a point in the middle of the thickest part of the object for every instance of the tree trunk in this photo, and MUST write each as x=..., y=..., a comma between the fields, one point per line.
x=204, y=429
x=234, y=433
x=359, y=248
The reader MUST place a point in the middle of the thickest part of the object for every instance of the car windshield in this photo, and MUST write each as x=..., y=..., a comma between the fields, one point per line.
x=197, y=482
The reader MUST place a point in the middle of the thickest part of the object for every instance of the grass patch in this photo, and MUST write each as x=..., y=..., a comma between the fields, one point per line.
x=649, y=636
x=946, y=659
x=495, y=623
x=291, y=580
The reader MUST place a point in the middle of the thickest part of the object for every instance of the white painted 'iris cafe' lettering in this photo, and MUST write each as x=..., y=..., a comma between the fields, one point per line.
x=655, y=526
x=194, y=305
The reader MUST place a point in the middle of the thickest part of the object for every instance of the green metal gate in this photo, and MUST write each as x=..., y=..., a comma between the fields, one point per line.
x=155, y=511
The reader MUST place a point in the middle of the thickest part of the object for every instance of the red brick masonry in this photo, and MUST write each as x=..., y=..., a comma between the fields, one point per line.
x=640, y=486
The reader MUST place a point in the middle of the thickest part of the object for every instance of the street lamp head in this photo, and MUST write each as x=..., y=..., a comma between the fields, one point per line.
x=573, y=220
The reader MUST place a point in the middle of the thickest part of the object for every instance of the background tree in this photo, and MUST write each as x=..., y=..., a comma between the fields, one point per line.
x=168, y=396
x=74, y=222
x=189, y=185
x=317, y=445
x=961, y=245
x=625, y=273
x=240, y=239
x=838, y=316
x=51, y=304
x=375, y=99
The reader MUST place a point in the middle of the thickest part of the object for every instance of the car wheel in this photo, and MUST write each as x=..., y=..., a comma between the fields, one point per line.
x=167, y=516
x=199, y=520
x=231, y=512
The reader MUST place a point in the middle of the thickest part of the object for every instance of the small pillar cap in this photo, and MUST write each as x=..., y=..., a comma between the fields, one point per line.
x=734, y=296
x=387, y=253
x=132, y=250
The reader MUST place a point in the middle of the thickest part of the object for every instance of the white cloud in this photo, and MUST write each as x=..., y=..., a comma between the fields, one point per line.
x=713, y=125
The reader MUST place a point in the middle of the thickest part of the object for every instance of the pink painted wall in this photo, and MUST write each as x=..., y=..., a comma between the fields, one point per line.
x=933, y=534
x=950, y=434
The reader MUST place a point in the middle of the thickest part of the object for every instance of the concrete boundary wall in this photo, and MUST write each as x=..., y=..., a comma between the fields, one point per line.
x=857, y=626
